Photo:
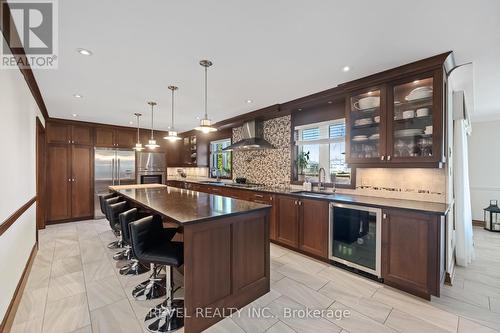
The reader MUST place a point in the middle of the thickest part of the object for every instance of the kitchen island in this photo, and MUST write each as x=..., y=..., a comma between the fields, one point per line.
x=226, y=248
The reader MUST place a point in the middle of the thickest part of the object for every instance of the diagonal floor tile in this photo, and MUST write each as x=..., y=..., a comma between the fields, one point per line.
x=116, y=317
x=104, y=292
x=67, y=314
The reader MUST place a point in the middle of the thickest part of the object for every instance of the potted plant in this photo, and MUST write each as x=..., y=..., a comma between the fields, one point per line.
x=302, y=163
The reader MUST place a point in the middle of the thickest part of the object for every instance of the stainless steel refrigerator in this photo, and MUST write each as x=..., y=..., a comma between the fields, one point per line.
x=112, y=167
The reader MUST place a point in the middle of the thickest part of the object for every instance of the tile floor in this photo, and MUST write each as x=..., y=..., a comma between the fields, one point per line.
x=74, y=286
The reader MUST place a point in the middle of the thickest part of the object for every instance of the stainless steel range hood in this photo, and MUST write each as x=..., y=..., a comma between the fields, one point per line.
x=253, y=138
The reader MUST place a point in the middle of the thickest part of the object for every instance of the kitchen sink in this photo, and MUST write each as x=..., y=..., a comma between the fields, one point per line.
x=314, y=193
x=212, y=182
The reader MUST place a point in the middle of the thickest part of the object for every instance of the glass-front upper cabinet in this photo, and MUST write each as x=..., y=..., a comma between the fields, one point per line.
x=414, y=120
x=366, y=126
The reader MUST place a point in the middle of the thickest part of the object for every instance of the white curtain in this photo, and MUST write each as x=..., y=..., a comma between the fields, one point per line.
x=463, y=215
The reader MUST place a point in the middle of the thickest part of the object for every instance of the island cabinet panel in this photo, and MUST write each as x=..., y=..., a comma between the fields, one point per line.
x=226, y=266
x=82, y=202
x=411, y=251
x=313, y=232
x=58, y=182
x=288, y=221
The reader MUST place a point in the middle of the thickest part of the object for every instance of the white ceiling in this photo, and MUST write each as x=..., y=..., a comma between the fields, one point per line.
x=268, y=51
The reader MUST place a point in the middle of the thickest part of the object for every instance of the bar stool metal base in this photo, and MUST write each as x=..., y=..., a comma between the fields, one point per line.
x=115, y=245
x=150, y=289
x=164, y=318
x=134, y=268
x=123, y=255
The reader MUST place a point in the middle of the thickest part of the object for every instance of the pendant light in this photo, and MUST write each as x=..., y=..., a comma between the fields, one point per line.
x=172, y=133
x=138, y=146
x=205, y=123
x=152, y=142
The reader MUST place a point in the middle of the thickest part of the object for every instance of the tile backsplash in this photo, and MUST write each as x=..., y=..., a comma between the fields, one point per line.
x=190, y=172
x=269, y=167
x=408, y=183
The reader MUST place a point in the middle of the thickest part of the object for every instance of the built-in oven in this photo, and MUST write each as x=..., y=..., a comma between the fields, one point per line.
x=151, y=178
x=355, y=237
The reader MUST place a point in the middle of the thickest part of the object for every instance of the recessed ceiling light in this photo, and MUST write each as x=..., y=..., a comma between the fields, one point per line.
x=198, y=118
x=131, y=122
x=77, y=96
x=370, y=92
x=75, y=115
x=416, y=81
x=330, y=102
x=346, y=69
x=249, y=101
x=299, y=109
x=84, y=52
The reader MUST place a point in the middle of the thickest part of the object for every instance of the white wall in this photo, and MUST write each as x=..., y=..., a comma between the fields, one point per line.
x=484, y=165
x=18, y=112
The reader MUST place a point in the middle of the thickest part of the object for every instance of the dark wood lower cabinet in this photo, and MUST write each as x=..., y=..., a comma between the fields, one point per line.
x=288, y=221
x=411, y=251
x=313, y=227
x=58, y=182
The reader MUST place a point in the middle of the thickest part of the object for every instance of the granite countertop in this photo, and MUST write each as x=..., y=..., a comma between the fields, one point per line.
x=420, y=206
x=186, y=207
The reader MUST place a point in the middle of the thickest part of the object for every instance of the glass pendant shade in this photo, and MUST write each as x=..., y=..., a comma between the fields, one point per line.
x=205, y=123
x=152, y=144
x=206, y=126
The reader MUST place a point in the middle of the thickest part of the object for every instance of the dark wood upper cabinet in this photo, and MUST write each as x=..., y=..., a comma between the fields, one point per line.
x=366, y=118
x=104, y=137
x=125, y=138
x=58, y=133
x=313, y=227
x=396, y=117
x=288, y=221
x=82, y=135
x=415, y=119
x=82, y=160
x=58, y=182
x=411, y=251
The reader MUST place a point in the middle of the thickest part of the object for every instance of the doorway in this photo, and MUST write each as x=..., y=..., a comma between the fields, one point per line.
x=40, y=175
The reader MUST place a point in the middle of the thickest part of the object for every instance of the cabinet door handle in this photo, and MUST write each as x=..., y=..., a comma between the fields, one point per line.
x=300, y=203
x=295, y=202
x=69, y=141
x=384, y=216
x=73, y=180
x=69, y=179
x=389, y=157
x=271, y=198
x=382, y=157
x=258, y=196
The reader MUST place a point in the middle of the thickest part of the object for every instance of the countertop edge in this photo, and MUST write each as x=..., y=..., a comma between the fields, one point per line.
x=313, y=197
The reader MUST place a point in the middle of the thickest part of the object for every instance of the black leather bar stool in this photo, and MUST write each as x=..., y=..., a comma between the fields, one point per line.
x=114, y=211
x=106, y=203
x=153, y=244
x=104, y=197
x=135, y=267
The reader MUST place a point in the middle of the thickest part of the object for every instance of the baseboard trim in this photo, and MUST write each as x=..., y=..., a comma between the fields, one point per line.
x=8, y=319
x=478, y=223
x=449, y=277
x=75, y=219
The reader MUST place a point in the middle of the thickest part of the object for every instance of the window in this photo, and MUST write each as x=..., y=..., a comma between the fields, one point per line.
x=322, y=145
x=220, y=161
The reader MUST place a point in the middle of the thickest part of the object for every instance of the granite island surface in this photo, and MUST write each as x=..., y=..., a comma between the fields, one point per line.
x=226, y=248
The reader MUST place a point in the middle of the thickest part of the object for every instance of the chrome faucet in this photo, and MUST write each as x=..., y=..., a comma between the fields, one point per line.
x=217, y=173
x=321, y=182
